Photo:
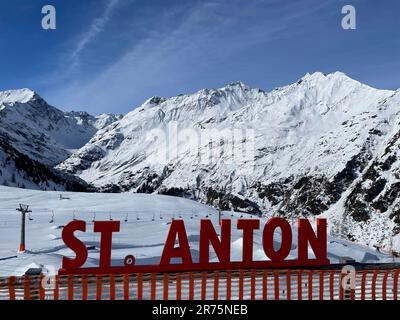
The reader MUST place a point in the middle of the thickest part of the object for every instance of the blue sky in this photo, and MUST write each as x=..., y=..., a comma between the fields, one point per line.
x=111, y=55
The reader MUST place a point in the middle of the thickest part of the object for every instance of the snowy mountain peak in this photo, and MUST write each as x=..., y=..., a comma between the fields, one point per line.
x=19, y=95
x=154, y=101
x=320, y=78
x=238, y=84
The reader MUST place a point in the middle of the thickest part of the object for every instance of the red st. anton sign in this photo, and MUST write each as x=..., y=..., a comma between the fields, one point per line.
x=307, y=237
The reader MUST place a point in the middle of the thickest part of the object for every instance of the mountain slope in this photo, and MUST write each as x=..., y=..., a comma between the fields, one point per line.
x=35, y=136
x=313, y=142
x=43, y=132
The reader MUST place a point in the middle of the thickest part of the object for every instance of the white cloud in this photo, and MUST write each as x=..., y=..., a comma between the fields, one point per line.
x=95, y=28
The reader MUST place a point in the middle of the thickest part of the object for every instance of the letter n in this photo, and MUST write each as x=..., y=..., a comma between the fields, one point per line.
x=221, y=247
x=318, y=242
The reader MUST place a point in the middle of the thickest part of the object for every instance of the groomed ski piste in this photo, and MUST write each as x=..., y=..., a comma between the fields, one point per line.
x=145, y=221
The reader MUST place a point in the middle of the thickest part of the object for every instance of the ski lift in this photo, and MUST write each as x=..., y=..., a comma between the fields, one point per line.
x=29, y=217
x=52, y=217
x=161, y=217
x=126, y=218
x=154, y=216
x=191, y=217
x=180, y=216
x=137, y=217
x=110, y=218
x=94, y=217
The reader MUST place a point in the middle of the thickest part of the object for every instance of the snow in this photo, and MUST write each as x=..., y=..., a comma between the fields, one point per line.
x=140, y=236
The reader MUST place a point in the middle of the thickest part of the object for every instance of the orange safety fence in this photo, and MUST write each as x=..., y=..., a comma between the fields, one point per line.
x=206, y=285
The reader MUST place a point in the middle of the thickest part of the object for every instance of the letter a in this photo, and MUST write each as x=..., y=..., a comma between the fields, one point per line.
x=177, y=229
x=49, y=20
x=349, y=20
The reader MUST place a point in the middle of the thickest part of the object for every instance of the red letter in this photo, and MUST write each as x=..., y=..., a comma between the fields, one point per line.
x=177, y=229
x=106, y=228
x=248, y=226
x=222, y=248
x=74, y=244
x=268, y=239
x=306, y=235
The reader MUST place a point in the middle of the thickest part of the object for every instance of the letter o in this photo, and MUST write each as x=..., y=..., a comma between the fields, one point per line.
x=268, y=239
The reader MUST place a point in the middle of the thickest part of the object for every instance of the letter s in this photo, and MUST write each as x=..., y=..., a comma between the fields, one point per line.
x=74, y=244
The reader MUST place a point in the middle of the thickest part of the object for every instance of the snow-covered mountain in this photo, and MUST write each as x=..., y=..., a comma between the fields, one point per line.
x=33, y=131
x=325, y=145
x=42, y=132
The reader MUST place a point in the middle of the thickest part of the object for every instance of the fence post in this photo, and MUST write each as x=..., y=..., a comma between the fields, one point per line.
x=384, y=284
x=153, y=285
x=310, y=285
x=98, y=287
x=373, y=289
x=241, y=284
x=228, y=285
x=276, y=285
x=165, y=287
x=178, y=286
x=42, y=291
x=253, y=285
x=11, y=288
x=288, y=285
x=321, y=285
x=139, y=286
x=126, y=286
x=363, y=283
x=70, y=287
x=395, y=284
x=265, y=285
x=299, y=285
x=216, y=285
x=203, y=285
x=112, y=287
x=27, y=288
x=84, y=287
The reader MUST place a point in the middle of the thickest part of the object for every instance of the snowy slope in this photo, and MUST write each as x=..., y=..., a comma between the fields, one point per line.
x=143, y=235
x=313, y=140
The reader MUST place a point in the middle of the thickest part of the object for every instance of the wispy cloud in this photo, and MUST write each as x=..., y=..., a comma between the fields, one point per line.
x=95, y=28
x=181, y=50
